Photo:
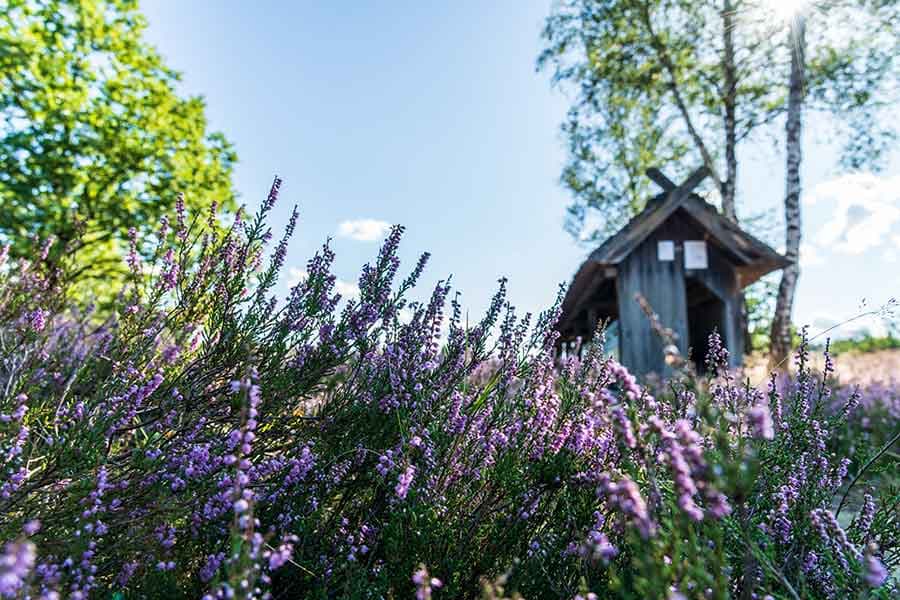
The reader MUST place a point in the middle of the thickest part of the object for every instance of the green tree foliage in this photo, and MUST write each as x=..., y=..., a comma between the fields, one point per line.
x=837, y=82
x=760, y=303
x=679, y=83
x=866, y=342
x=95, y=138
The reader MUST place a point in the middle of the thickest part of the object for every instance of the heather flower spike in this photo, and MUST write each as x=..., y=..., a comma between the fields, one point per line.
x=204, y=439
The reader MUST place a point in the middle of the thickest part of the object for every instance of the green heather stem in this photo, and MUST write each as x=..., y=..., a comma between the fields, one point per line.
x=864, y=468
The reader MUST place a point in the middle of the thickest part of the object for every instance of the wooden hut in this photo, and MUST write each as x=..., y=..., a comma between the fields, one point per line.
x=689, y=262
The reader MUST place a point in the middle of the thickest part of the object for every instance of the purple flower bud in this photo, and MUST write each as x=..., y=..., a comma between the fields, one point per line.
x=875, y=572
x=32, y=527
x=404, y=481
x=38, y=319
x=761, y=422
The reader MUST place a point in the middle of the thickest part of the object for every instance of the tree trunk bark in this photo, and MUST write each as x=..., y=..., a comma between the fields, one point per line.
x=729, y=76
x=728, y=186
x=781, y=323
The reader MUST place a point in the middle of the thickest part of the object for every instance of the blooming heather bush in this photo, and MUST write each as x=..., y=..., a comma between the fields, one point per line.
x=208, y=441
x=863, y=420
x=875, y=408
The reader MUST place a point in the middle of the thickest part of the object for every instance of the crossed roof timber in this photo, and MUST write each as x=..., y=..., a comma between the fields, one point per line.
x=743, y=246
x=753, y=257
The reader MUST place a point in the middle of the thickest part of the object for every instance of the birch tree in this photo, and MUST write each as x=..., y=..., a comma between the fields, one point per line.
x=781, y=321
x=681, y=83
x=655, y=83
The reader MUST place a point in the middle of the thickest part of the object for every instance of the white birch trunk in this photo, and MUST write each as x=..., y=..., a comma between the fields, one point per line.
x=781, y=323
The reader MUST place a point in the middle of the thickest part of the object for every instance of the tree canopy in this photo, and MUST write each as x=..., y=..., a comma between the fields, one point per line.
x=94, y=135
x=680, y=83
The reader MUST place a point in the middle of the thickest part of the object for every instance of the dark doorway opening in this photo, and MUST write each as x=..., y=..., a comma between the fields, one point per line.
x=706, y=314
x=600, y=307
x=605, y=309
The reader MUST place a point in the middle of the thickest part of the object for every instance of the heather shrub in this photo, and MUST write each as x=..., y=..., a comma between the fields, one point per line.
x=206, y=440
x=863, y=417
x=875, y=413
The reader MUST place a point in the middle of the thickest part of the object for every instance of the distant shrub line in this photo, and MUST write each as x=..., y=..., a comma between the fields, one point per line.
x=865, y=343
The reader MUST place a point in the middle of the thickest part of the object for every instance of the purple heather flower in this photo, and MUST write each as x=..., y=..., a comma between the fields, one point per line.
x=209, y=569
x=424, y=583
x=180, y=218
x=875, y=572
x=718, y=506
x=404, y=481
x=761, y=422
x=273, y=195
x=282, y=554
x=38, y=319
x=16, y=563
x=31, y=527
x=623, y=426
x=134, y=260
x=866, y=517
x=598, y=547
x=831, y=533
x=45, y=248
x=627, y=497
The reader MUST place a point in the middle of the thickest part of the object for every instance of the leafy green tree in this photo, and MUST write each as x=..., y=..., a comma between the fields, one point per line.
x=679, y=83
x=851, y=76
x=95, y=138
x=657, y=83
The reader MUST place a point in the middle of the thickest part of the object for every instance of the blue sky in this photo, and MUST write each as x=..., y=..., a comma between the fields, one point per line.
x=431, y=114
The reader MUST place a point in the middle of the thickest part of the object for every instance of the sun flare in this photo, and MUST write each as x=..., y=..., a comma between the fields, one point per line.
x=786, y=10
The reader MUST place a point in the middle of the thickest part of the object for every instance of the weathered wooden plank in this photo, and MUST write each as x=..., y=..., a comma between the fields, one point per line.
x=660, y=179
x=661, y=283
x=628, y=239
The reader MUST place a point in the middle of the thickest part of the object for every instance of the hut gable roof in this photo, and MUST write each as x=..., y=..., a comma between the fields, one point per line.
x=743, y=247
x=752, y=257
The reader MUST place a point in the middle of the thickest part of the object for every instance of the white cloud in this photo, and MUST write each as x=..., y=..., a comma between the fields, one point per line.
x=866, y=208
x=892, y=252
x=890, y=255
x=829, y=327
x=810, y=256
x=295, y=276
x=347, y=289
x=363, y=230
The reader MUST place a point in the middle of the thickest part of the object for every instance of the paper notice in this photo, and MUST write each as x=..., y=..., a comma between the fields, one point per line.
x=665, y=250
x=695, y=255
